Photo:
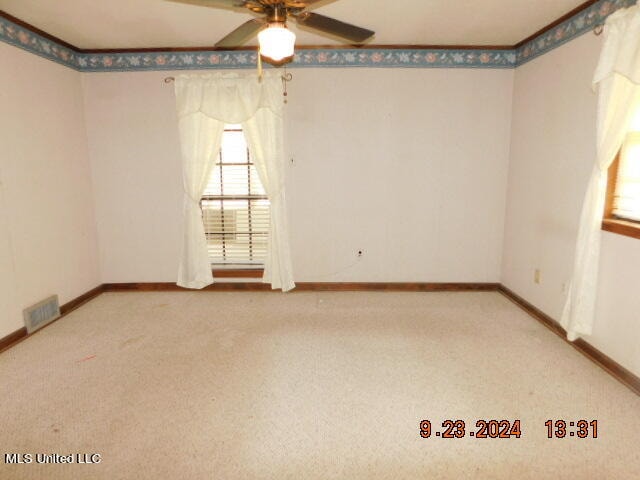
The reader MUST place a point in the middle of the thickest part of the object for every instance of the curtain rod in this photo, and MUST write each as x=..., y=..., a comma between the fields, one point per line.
x=286, y=77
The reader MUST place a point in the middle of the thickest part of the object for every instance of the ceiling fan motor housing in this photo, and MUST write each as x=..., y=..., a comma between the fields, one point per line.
x=274, y=13
x=277, y=14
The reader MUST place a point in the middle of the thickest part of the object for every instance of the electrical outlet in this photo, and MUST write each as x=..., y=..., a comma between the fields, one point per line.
x=536, y=276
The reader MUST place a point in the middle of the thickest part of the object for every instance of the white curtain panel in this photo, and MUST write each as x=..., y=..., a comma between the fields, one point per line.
x=205, y=104
x=264, y=136
x=617, y=78
x=200, y=138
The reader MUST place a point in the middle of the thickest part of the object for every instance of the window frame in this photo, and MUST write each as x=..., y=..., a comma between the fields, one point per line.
x=231, y=270
x=611, y=223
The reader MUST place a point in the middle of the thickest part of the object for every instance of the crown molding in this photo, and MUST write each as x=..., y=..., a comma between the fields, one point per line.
x=575, y=23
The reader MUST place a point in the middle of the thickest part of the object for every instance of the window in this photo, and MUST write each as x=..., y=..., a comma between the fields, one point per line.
x=235, y=207
x=622, y=212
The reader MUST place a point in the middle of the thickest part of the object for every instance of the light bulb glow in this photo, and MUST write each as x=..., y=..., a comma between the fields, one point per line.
x=277, y=42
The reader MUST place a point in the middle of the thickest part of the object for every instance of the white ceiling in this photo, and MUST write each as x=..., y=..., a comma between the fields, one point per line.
x=93, y=24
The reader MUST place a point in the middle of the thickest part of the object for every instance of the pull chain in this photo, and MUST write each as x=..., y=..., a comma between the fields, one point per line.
x=287, y=77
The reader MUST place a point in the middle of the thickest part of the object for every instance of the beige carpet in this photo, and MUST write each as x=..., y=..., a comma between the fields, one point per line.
x=307, y=386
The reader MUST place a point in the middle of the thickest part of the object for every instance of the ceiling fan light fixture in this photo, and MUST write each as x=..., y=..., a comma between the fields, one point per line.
x=277, y=42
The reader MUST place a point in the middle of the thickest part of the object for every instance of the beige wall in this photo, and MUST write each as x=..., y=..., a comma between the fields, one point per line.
x=137, y=178
x=552, y=154
x=409, y=166
x=47, y=226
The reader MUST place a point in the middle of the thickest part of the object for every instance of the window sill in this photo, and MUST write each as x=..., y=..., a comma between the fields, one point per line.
x=238, y=273
x=621, y=227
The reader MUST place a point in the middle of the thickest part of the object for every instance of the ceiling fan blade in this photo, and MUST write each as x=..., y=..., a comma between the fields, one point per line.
x=212, y=3
x=334, y=27
x=243, y=33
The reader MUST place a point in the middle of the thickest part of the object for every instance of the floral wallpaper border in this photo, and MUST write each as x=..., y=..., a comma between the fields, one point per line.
x=390, y=58
x=580, y=23
x=21, y=37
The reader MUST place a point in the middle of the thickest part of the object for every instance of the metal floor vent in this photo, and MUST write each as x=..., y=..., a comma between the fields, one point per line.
x=38, y=315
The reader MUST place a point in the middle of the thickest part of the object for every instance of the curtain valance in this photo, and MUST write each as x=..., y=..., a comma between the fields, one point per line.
x=621, y=51
x=228, y=97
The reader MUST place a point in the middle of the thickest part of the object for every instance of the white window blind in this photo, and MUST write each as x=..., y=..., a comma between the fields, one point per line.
x=235, y=207
x=626, y=201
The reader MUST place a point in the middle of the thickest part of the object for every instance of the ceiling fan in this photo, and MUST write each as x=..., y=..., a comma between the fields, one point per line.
x=276, y=40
